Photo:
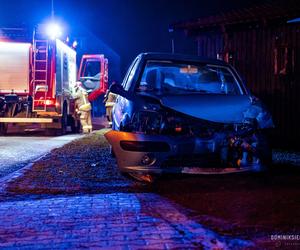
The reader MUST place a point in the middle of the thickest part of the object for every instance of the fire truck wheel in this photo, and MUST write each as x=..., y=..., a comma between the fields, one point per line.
x=64, y=120
x=74, y=123
x=3, y=128
x=50, y=132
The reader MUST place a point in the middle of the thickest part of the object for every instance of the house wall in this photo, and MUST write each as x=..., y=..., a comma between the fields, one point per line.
x=268, y=58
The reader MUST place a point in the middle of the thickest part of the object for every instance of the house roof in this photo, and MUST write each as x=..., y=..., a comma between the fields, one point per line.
x=263, y=12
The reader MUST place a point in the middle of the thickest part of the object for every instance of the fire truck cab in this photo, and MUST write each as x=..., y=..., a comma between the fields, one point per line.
x=37, y=82
x=93, y=75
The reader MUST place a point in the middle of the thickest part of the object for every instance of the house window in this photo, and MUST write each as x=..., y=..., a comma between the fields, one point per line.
x=284, y=60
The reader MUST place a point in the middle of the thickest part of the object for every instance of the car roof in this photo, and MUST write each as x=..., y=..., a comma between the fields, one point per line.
x=179, y=57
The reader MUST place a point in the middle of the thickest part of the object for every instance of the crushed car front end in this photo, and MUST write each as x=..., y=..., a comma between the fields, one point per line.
x=169, y=141
x=187, y=116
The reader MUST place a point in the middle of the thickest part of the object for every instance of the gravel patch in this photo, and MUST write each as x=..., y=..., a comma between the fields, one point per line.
x=84, y=165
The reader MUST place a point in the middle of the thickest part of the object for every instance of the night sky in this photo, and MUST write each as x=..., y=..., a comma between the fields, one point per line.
x=127, y=26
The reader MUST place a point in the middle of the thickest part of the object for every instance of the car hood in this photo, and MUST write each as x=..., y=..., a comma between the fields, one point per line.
x=215, y=108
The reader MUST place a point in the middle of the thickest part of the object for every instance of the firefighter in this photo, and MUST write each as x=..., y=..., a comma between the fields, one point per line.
x=109, y=100
x=83, y=107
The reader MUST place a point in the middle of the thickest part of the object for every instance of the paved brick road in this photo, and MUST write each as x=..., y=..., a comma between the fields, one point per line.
x=75, y=198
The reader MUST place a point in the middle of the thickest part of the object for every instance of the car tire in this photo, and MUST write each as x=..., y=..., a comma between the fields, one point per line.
x=264, y=152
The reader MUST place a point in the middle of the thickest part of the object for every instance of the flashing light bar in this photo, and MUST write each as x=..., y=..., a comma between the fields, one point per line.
x=53, y=30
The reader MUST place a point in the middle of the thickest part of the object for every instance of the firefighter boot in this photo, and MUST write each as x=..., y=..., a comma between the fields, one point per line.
x=86, y=122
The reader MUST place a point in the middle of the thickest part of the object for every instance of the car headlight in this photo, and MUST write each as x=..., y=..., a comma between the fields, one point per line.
x=248, y=127
x=147, y=121
x=265, y=120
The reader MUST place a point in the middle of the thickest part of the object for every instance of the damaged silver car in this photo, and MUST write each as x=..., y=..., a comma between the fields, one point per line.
x=176, y=113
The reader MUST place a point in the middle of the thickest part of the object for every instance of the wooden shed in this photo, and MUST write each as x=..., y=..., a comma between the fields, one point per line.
x=263, y=43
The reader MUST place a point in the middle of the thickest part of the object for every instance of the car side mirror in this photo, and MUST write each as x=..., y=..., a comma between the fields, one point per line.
x=118, y=89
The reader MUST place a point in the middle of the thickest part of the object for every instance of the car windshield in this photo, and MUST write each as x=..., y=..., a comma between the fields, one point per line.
x=170, y=77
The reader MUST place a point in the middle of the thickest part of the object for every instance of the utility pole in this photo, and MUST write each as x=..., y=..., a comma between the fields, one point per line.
x=171, y=30
x=173, y=45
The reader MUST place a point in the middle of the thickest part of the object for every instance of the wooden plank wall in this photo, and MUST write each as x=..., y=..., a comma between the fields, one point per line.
x=257, y=52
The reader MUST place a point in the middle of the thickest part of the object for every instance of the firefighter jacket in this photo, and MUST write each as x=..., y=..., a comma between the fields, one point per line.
x=82, y=101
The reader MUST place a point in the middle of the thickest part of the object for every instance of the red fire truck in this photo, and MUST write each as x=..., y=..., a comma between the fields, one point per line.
x=37, y=82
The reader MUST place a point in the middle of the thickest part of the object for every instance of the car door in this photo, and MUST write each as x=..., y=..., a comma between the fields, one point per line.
x=123, y=107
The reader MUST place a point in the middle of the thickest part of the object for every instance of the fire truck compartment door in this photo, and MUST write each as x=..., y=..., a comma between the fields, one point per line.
x=14, y=67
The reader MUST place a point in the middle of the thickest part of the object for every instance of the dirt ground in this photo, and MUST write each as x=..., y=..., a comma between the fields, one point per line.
x=251, y=206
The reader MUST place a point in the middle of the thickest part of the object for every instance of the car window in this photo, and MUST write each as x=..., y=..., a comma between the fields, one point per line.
x=127, y=73
x=166, y=77
x=130, y=74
